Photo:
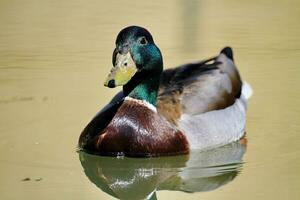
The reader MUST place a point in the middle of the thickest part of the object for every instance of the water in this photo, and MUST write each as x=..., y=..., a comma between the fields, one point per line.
x=128, y=178
x=55, y=55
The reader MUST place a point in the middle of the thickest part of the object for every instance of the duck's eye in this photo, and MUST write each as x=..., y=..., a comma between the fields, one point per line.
x=143, y=41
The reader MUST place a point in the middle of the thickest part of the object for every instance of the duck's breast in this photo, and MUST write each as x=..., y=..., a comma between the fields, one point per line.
x=137, y=130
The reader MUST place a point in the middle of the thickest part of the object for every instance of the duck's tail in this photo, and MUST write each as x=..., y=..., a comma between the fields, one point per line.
x=246, y=90
x=227, y=51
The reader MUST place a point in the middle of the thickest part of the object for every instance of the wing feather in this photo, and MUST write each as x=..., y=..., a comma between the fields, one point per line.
x=197, y=88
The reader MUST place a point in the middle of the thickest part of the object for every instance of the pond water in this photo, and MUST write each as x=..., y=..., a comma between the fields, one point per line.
x=55, y=55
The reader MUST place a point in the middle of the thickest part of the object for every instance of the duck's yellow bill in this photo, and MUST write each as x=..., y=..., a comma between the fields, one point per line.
x=122, y=72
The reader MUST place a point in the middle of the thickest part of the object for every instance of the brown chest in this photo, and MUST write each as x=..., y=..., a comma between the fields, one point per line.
x=137, y=130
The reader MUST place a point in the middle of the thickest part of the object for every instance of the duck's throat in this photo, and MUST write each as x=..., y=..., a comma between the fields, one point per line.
x=146, y=90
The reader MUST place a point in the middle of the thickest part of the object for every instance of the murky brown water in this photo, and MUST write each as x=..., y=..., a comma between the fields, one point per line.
x=55, y=55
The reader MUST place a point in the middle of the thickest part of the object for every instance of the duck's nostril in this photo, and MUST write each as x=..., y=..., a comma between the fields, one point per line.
x=125, y=64
x=111, y=83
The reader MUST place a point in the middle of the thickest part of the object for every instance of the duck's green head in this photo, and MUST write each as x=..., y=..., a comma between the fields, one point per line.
x=135, y=58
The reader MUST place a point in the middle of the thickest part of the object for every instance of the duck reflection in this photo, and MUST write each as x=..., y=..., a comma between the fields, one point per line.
x=132, y=178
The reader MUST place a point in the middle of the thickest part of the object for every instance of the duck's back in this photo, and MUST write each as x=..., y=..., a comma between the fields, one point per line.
x=205, y=101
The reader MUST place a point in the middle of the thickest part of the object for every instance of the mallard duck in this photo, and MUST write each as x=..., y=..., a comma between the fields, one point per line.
x=160, y=112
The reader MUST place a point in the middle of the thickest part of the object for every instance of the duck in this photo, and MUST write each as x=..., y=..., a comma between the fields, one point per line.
x=195, y=106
